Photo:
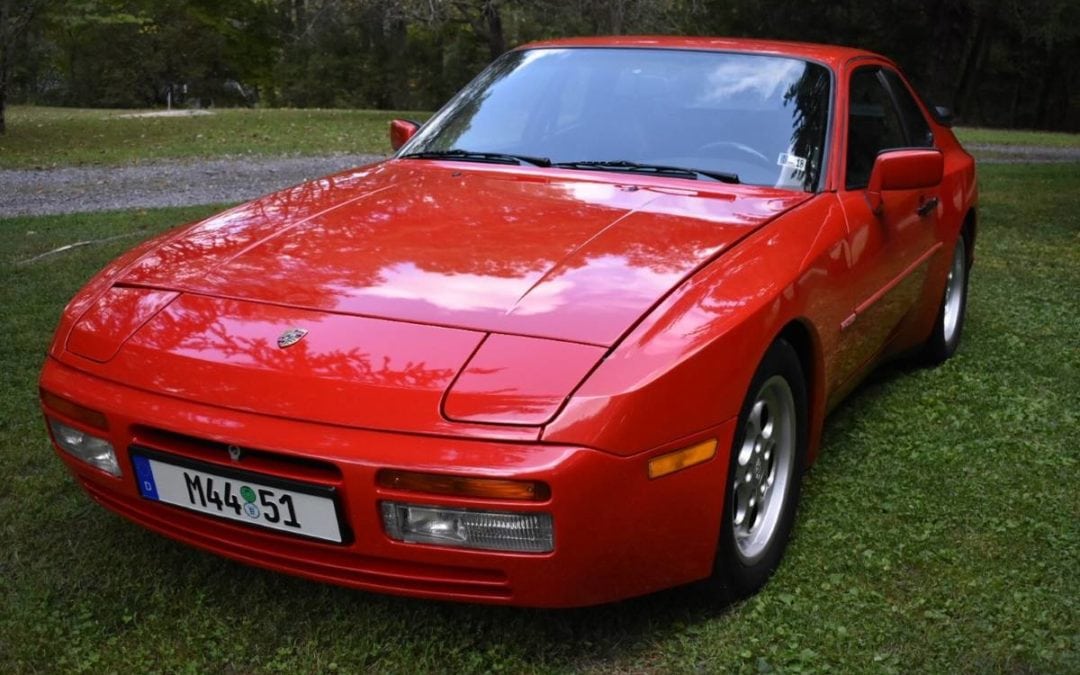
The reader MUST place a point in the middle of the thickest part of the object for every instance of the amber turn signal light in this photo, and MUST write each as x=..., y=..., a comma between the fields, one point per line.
x=680, y=459
x=74, y=411
x=463, y=486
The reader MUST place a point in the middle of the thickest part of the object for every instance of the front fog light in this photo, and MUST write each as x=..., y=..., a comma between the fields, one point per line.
x=90, y=449
x=492, y=530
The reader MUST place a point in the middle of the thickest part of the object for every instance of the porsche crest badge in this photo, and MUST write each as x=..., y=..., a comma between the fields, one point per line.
x=291, y=337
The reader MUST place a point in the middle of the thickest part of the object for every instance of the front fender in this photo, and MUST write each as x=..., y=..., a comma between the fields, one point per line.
x=687, y=365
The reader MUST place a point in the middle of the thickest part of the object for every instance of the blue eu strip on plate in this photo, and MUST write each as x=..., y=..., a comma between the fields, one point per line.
x=147, y=487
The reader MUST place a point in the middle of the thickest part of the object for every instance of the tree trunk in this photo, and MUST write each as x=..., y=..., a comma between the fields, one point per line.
x=949, y=22
x=1051, y=77
x=397, y=34
x=14, y=21
x=494, y=29
x=5, y=32
x=616, y=16
x=1014, y=107
x=299, y=18
x=965, y=89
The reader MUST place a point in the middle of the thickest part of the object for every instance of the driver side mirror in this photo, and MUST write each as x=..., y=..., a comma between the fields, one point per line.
x=401, y=131
x=905, y=169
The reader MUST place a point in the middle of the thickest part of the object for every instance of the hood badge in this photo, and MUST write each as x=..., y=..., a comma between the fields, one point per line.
x=291, y=337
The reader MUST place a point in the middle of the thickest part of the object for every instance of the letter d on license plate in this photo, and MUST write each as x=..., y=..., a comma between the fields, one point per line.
x=243, y=497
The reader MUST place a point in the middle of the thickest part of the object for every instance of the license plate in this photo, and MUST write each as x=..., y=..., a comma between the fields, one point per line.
x=247, y=498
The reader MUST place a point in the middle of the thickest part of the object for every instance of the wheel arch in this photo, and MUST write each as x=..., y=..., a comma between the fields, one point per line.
x=800, y=334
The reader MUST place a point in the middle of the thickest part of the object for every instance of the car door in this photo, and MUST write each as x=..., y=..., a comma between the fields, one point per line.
x=890, y=246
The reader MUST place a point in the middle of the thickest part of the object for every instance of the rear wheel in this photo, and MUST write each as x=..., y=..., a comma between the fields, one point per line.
x=764, y=476
x=945, y=337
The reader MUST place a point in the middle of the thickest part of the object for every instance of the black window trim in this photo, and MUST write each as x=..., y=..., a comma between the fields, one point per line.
x=896, y=104
x=877, y=68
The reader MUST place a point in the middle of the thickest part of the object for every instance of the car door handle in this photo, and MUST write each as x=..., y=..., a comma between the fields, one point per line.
x=927, y=207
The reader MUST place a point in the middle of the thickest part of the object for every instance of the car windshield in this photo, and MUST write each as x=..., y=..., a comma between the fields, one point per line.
x=750, y=118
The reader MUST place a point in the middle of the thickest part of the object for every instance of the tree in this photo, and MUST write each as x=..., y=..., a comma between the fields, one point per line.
x=997, y=62
x=16, y=17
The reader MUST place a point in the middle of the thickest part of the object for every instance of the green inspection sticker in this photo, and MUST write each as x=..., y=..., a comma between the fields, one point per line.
x=248, y=494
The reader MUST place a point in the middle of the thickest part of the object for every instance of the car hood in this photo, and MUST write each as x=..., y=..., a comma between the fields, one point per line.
x=571, y=255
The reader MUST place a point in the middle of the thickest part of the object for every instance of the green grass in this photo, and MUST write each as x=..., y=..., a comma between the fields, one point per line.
x=938, y=531
x=1044, y=139
x=45, y=137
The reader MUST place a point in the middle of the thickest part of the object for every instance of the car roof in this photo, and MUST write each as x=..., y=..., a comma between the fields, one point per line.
x=830, y=55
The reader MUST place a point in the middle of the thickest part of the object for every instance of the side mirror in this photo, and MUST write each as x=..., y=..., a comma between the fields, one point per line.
x=401, y=131
x=908, y=169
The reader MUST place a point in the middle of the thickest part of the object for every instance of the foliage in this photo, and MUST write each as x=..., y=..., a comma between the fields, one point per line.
x=996, y=62
x=938, y=530
x=999, y=62
x=16, y=19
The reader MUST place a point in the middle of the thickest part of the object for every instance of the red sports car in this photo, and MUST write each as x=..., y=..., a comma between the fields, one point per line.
x=574, y=342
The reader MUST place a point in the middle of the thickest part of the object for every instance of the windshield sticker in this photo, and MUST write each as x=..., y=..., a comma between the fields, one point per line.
x=792, y=161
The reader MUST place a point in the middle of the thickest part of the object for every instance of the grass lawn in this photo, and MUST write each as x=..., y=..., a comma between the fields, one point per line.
x=47, y=137
x=938, y=531
x=1042, y=139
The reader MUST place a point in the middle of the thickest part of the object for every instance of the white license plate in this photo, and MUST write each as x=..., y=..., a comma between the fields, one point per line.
x=244, y=498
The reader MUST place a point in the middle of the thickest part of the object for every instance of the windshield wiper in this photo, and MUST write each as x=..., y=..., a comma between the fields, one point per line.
x=611, y=165
x=638, y=167
x=474, y=156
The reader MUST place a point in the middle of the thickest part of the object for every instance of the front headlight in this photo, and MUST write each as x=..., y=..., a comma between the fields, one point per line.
x=91, y=449
x=468, y=528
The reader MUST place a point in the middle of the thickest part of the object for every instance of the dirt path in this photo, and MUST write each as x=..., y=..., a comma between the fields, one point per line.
x=159, y=184
x=179, y=183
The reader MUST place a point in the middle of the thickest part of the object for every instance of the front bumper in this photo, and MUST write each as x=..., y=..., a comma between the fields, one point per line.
x=617, y=533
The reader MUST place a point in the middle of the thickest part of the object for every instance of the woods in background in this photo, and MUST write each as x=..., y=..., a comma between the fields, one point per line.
x=1012, y=63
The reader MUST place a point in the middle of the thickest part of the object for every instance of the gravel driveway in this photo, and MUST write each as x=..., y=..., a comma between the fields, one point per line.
x=987, y=153
x=180, y=183
x=159, y=184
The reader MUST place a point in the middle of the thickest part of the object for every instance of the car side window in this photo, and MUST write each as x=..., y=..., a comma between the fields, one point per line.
x=919, y=134
x=873, y=126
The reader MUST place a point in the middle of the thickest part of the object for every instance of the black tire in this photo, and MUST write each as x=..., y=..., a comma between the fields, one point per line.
x=739, y=569
x=945, y=337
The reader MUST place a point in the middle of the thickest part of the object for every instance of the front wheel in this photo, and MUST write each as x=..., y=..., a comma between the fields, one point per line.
x=945, y=337
x=764, y=476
